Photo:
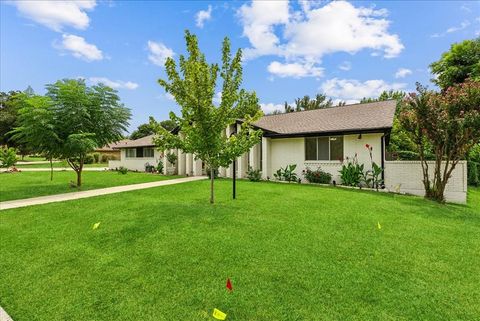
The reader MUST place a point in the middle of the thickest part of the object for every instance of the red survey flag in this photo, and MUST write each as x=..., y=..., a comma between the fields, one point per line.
x=229, y=285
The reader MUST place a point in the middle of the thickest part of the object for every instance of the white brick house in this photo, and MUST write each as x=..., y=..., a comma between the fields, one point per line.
x=310, y=139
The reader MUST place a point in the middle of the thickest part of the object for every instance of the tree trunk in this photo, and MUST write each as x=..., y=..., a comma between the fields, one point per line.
x=212, y=178
x=51, y=169
x=79, y=173
x=79, y=178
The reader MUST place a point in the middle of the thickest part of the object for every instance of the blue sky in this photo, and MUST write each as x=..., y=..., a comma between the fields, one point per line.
x=347, y=50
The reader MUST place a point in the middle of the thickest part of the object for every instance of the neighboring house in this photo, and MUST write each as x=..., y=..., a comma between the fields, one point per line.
x=136, y=154
x=321, y=138
x=110, y=151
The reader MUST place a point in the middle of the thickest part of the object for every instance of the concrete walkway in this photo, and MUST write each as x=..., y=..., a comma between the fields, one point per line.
x=36, y=162
x=4, y=316
x=94, y=192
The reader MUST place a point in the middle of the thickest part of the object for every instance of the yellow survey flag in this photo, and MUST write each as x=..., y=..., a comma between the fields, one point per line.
x=379, y=226
x=95, y=226
x=219, y=315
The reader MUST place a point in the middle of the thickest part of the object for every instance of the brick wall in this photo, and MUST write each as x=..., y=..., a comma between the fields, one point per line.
x=406, y=177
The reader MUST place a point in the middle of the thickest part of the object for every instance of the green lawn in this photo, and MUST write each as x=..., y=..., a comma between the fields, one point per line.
x=32, y=184
x=61, y=164
x=30, y=158
x=293, y=252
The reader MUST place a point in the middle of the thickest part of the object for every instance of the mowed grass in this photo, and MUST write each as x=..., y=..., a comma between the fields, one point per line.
x=32, y=184
x=60, y=164
x=293, y=252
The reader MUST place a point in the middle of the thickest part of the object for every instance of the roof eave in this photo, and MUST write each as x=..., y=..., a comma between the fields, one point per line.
x=330, y=133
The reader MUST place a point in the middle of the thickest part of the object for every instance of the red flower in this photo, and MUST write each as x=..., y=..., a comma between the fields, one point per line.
x=367, y=146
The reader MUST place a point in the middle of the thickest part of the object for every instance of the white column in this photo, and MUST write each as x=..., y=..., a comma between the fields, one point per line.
x=189, y=164
x=242, y=166
x=265, y=157
x=181, y=162
x=197, y=167
x=253, y=157
x=222, y=171
x=165, y=162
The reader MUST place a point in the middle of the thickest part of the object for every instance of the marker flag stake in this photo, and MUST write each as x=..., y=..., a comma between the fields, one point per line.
x=229, y=285
x=95, y=226
x=379, y=226
x=219, y=315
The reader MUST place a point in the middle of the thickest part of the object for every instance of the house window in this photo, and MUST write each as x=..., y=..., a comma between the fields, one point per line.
x=324, y=148
x=148, y=152
x=130, y=153
x=139, y=152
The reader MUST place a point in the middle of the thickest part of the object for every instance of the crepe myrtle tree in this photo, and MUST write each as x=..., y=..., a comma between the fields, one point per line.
x=449, y=122
x=202, y=123
x=71, y=120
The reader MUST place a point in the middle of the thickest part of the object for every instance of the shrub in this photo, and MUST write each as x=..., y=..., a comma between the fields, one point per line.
x=96, y=157
x=122, y=170
x=160, y=167
x=254, y=175
x=317, y=176
x=8, y=157
x=286, y=174
x=105, y=158
x=149, y=168
x=209, y=173
x=352, y=172
x=89, y=159
x=473, y=173
x=172, y=158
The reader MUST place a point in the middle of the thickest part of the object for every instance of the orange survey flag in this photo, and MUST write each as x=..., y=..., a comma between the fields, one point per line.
x=229, y=285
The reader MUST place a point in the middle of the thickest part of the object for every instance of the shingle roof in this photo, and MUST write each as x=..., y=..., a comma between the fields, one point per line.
x=141, y=142
x=112, y=146
x=357, y=117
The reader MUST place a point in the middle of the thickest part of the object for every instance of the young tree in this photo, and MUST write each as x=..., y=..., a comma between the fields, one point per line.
x=202, y=123
x=450, y=123
x=72, y=120
x=8, y=157
x=462, y=61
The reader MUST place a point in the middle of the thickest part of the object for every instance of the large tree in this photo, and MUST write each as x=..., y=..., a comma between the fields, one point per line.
x=397, y=95
x=71, y=120
x=149, y=129
x=450, y=123
x=462, y=61
x=10, y=104
x=202, y=123
x=307, y=103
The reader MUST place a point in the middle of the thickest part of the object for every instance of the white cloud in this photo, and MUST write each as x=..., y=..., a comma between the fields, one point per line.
x=115, y=84
x=159, y=53
x=402, y=73
x=271, y=107
x=202, y=16
x=295, y=70
x=462, y=26
x=169, y=96
x=453, y=29
x=305, y=36
x=346, y=66
x=79, y=48
x=57, y=14
x=258, y=21
x=353, y=90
